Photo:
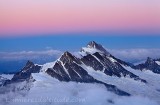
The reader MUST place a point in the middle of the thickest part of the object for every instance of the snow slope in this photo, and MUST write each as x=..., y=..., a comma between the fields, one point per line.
x=46, y=66
x=158, y=62
x=150, y=90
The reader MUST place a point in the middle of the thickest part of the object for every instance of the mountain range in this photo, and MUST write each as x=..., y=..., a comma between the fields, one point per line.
x=93, y=65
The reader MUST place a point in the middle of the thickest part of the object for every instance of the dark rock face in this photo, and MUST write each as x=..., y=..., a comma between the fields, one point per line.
x=25, y=73
x=107, y=63
x=58, y=72
x=103, y=63
x=91, y=61
x=68, y=68
x=69, y=58
x=150, y=64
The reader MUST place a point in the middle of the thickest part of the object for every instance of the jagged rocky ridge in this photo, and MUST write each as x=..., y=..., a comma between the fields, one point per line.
x=25, y=73
x=107, y=63
x=150, y=64
x=70, y=68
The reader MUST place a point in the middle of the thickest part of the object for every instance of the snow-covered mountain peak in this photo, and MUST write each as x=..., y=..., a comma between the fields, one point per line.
x=150, y=64
x=149, y=60
x=25, y=73
x=92, y=44
x=68, y=58
x=67, y=54
x=29, y=63
x=93, y=47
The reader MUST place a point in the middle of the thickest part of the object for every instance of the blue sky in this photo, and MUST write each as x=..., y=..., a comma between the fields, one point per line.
x=73, y=43
x=128, y=48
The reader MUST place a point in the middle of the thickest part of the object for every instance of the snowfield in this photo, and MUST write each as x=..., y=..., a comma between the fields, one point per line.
x=150, y=90
x=158, y=62
x=47, y=65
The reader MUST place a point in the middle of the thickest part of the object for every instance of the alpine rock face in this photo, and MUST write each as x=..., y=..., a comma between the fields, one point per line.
x=150, y=64
x=106, y=63
x=68, y=68
x=24, y=74
x=94, y=66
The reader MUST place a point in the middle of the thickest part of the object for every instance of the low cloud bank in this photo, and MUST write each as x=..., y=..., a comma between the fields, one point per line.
x=61, y=93
x=130, y=55
x=29, y=55
x=135, y=55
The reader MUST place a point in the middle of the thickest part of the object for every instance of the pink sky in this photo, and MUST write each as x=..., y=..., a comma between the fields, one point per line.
x=19, y=17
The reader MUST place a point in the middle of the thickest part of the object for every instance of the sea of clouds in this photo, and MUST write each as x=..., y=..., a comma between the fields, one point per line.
x=49, y=91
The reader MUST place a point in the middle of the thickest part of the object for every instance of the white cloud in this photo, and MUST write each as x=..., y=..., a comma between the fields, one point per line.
x=135, y=55
x=130, y=55
x=63, y=93
x=29, y=54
